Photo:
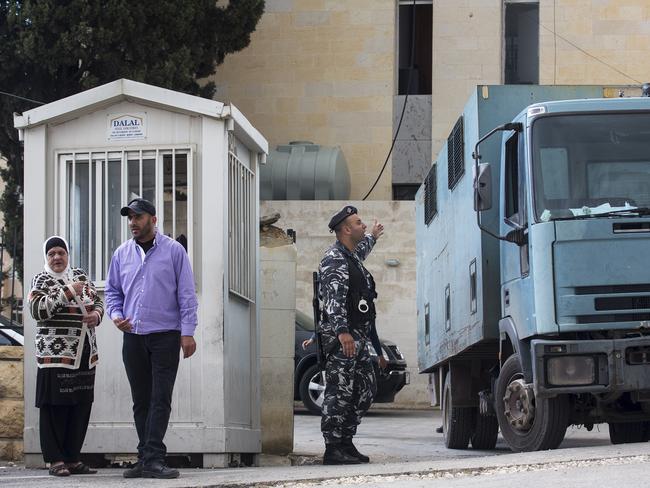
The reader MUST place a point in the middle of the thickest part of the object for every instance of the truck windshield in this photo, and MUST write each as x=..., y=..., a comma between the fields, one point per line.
x=590, y=165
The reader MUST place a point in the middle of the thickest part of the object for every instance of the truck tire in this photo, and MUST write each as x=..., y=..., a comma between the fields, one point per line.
x=486, y=431
x=457, y=422
x=628, y=432
x=528, y=424
x=312, y=388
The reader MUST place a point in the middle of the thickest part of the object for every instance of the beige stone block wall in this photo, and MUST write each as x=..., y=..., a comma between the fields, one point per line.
x=277, y=337
x=396, y=286
x=323, y=71
x=467, y=40
x=11, y=402
x=594, y=42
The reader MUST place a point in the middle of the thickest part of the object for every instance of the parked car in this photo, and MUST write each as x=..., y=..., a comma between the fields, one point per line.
x=11, y=334
x=309, y=380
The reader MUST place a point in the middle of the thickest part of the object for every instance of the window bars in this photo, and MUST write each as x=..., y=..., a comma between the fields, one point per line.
x=241, y=225
x=94, y=185
x=455, y=154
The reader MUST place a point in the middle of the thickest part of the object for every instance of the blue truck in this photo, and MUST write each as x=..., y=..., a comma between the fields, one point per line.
x=533, y=284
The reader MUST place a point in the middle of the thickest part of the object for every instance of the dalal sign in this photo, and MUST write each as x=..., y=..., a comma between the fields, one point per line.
x=124, y=127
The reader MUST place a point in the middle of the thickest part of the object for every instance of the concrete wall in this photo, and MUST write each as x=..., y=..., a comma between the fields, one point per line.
x=323, y=71
x=277, y=324
x=396, y=308
x=412, y=152
x=11, y=402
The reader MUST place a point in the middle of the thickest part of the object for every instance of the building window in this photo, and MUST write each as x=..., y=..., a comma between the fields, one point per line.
x=415, y=24
x=521, y=39
x=241, y=225
x=94, y=185
x=405, y=191
x=430, y=195
x=455, y=154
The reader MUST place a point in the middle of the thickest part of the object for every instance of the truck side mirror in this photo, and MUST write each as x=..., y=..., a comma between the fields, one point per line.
x=483, y=188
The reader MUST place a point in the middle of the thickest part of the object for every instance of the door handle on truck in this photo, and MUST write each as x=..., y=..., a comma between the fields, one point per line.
x=506, y=297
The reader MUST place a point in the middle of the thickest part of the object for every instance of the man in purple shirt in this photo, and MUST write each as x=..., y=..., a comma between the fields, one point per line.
x=150, y=296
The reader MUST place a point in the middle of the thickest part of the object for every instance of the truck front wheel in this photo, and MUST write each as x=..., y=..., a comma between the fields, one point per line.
x=527, y=423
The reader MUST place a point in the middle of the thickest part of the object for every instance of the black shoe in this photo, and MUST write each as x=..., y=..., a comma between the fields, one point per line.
x=157, y=469
x=134, y=471
x=336, y=454
x=440, y=429
x=351, y=450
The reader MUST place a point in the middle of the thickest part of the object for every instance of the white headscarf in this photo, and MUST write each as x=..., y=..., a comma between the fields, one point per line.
x=66, y=274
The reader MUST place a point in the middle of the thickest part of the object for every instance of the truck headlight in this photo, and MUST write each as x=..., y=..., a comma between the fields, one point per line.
x=571, y=370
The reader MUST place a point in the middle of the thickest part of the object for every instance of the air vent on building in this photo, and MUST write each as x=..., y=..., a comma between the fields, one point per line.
x=455, y=154
x=430, y=195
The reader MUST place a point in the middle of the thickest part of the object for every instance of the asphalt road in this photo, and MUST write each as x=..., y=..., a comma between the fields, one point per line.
x=409, y=435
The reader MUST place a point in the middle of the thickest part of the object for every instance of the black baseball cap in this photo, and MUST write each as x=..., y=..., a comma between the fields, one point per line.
x=341, y=215
x=138, y=206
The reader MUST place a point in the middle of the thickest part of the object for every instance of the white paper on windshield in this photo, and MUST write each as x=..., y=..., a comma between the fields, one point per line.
x=604, y=208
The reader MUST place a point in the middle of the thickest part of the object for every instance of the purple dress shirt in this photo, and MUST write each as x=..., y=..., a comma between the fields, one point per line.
x=154, y=290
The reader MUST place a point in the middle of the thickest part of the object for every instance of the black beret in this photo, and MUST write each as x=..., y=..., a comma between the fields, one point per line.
x=139, y=206
x=341, y=215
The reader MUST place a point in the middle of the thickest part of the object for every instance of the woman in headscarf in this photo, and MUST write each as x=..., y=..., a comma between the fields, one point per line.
x=67, y=308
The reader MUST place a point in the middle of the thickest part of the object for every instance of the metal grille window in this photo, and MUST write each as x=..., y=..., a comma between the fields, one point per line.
x=94, y=185
x=455, y=154
x=430, y=195
x=241, y=225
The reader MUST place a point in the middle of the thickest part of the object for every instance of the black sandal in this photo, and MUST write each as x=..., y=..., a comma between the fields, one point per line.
x=59, y=470
x=81, y=468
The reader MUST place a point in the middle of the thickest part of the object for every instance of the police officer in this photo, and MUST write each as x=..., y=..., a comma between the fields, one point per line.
x=347, y=328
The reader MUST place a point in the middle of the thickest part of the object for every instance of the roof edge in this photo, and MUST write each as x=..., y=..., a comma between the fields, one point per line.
x=115, y=91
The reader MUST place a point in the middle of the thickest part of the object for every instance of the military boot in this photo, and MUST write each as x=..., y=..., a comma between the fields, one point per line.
x=336, y=454
x=351, y=450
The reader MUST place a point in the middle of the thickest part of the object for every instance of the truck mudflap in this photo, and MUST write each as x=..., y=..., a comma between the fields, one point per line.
x=591, y=366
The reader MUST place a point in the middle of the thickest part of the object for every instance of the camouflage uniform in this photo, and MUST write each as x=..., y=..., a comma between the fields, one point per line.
x=351, y=383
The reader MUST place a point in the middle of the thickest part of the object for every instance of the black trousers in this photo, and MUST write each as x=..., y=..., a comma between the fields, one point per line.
x=63, y=430
x=151, y=363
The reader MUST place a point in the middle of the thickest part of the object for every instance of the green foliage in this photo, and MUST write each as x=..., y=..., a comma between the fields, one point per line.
x=50, y=49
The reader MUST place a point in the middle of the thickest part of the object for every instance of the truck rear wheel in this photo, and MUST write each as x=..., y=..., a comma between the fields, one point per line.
x=457, y=422
x=485, y=432
x=527, y=423
x=628, y=432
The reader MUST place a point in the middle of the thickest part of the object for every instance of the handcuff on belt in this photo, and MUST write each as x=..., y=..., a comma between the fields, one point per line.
x=363, y=306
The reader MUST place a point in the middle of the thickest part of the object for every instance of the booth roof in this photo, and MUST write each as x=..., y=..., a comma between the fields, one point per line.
x=123, y=89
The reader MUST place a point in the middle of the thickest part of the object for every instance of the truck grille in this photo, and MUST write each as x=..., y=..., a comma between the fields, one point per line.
x=601, y=290
x=622, y=303
x=626, y=303
x=616, y=317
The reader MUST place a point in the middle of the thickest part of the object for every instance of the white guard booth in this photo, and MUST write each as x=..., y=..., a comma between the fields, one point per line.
x=85, y=157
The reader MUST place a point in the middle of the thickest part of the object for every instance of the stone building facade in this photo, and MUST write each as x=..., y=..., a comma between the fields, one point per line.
x=332, y=71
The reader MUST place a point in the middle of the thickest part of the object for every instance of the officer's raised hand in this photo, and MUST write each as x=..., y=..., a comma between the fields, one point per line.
x=377, y=230
x=347, y=341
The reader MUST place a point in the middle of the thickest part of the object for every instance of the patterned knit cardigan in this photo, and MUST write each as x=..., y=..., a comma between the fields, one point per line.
x=60, y=333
